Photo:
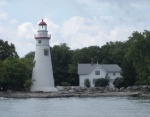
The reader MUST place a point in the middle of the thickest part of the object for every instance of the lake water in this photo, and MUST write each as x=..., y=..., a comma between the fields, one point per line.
x=75, y=107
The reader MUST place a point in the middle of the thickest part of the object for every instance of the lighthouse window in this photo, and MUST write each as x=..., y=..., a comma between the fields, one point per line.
x=39, y=41
x=46, y=52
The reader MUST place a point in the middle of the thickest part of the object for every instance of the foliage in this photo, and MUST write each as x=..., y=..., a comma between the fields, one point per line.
x=28, y=83
x=14, y=74
x=7, y=50
x=129, y=72
x=101, y=82
x=30, y=55
x=119, y=82
x=140, y=55
x=61, y=58
x=65, y=84
x=87, y=83
x=132, y=56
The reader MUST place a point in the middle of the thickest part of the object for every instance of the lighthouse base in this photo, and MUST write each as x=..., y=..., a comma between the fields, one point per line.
x=44, y=89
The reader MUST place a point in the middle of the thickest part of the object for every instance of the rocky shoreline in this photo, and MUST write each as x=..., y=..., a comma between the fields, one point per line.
x=78, y=92
x=60, y=95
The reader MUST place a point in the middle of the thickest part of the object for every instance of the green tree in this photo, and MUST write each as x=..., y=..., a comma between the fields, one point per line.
x=61, y=58
x=101, y=82
x=30, y=55
x=113, y=52
x=140, y=55
x=129, y=73
x=27, y=84
x=7, y=50
x=119, y=82
x=2, y=70
x=87, y=83
x=15, y=74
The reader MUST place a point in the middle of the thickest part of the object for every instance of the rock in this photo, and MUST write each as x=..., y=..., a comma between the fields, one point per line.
x=117, y=90
x=71, y=91
x=122, y=89
x=64, y=92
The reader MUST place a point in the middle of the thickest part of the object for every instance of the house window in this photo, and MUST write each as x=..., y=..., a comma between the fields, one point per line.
x=97, y=72
x=39, y=41
x=46, y=52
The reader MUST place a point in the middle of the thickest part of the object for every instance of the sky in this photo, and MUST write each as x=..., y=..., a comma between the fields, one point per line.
x=78, y=23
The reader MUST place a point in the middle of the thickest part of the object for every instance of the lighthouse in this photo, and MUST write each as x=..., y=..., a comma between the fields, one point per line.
x=42, y=75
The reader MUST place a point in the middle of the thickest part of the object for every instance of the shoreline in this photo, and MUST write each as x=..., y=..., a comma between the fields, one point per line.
x=60, y=94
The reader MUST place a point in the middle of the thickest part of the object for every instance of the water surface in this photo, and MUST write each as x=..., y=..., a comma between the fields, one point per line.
x=75, y=107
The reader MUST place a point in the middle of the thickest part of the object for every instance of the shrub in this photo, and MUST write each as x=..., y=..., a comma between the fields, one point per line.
x=28, y=83
x=101, y=82
x=119, y=82
x=87, y=83
x=65, y=84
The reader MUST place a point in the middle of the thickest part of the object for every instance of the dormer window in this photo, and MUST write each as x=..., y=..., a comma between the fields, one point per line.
x=97, y=72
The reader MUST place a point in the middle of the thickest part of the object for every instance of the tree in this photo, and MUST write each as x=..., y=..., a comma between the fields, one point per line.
x=2, y=70
x=30, y=55
x=27, y=84
x=7, y=50
x=113, y=52
x=140, y=55
x=101, y=82
x=72, y=70
x=87, y=83
x=119, y=82
x=129, y=72
x=15, y=74
x=61, y=58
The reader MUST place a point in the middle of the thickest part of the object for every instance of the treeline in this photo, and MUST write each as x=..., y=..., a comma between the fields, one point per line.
x=133, y=56
x=15, y=72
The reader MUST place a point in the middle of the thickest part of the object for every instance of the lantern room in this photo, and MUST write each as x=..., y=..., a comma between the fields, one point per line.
x=42, y=26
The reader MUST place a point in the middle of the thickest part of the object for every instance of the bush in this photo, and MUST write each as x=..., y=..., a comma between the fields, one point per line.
x=101, y=82
x=65, y=84
x=87, y=83
x=119, y=82
x=28, y=83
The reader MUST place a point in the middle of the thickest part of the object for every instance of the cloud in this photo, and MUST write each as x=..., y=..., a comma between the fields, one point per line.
x=3, y=3
x=54, y=30
x=3, y=16
x=25, y=41
x=81, y=32
x=25, y=30
x=121, y=33
x=13, y=21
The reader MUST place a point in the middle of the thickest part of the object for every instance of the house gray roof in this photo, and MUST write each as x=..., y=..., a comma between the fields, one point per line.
x=87, y=68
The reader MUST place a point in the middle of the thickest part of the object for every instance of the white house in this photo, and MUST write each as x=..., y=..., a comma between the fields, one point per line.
x=95, y=71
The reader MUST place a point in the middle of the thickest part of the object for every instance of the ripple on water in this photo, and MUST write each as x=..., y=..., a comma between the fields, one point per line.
x=75, y=107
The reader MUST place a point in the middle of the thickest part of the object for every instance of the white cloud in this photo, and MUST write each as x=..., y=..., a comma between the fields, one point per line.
x=54, y=30
x=3, y=16
x=3, y=3
x=25, y=30
x=81, y=32
x=25, y=41
x=120, y=33
x=13, y=21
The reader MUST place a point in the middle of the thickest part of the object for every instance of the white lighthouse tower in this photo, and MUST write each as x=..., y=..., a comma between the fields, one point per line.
x=42, y=75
